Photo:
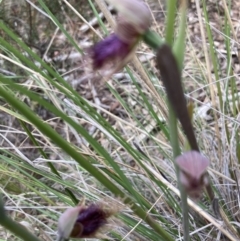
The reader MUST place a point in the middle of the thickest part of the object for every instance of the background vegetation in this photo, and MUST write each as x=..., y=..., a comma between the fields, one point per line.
x=68, y=133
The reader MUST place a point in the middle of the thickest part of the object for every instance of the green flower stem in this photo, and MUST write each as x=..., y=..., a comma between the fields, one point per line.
x=179, y=53
x=173, y=131
x=176, y=152
x=64, y=145
x=152, y=39
x=156, y=42
x=171, y=15
x=14, y=227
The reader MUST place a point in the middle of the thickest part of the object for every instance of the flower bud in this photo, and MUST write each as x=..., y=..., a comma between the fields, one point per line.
x=193, y=172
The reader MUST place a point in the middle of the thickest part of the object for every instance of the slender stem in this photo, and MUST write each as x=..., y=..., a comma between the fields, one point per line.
x=152, y=39
x=170, y=67
x=171, y=15
x=173, y=131
x=156, y=42
x=176, y=152
x=184, y=211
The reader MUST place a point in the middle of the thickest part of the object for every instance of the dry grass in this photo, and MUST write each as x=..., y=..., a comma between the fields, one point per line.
x=120, y=103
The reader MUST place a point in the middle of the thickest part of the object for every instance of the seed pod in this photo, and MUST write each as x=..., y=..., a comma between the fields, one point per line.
x=193, y=172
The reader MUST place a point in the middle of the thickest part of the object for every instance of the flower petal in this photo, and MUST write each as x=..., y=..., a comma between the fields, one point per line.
x=91, y=219
x=67, y=221
x=109, y=49
x=135, y=12
x=193, y=172
x=193, y=163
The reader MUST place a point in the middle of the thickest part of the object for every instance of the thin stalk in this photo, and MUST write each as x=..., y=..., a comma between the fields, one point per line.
x=175, y=93
x=171, y=15
x=154, y=41
x=179, y=50
x=171, y=78
x=176, y=152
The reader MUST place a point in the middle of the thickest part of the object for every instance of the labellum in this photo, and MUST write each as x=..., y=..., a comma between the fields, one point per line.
x=85, y=221
x=193, y=172
x=116, y=50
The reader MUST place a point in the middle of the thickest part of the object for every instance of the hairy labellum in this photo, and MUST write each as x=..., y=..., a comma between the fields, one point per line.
x=110, y=49
x=85, y=222
x=117, y=49
x=88, y=222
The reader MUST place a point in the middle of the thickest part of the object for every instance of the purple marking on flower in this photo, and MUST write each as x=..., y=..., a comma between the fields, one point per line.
x=86, y=221
x=91, y=219
x=109, y=49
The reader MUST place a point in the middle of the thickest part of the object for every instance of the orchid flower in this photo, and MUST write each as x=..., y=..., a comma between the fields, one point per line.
x=85, y=221
x=193, y=172
x=134, y=18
